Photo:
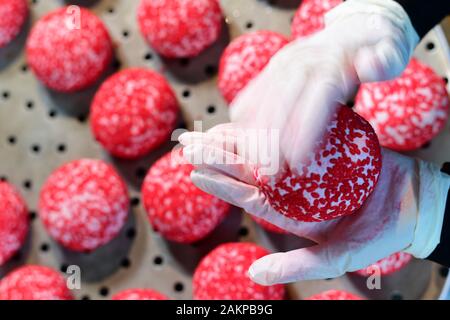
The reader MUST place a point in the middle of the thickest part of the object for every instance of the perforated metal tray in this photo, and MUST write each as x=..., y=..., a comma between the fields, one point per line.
x=40, y=130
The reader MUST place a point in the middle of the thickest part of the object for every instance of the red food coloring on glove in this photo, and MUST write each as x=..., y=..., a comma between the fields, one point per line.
x=84, y=204
x=386, y=266
x=139, y=294
x=334, y=295
x=14, y=223
x=68, y=52
x=34, y=283
x=310, y=17
x=269, y=226
x=176, y=208
x=335, y=180
x=13, y=15
x=245, y=58
x=133, y=112
x=406, y=112
x=180, y=28
x=222, y=275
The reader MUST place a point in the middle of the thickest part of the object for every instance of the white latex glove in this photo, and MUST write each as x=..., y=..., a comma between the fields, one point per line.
x=299, y=90
x=404, y=213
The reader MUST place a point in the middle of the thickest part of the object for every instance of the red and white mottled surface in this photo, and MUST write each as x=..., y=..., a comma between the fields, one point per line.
x=310, y=17
x=406, y=112
x=334, y=295
x=14, y=223
x=268, y=226
x=335, y=180
x=180, y=28
x=386, y=266
x=84, y=204
x=244, y=58
x=139, y=294
x=34, y=283
x=222, y=275
x=176, y=208
x=66, y=56
x=133, y=112
x=13, y=14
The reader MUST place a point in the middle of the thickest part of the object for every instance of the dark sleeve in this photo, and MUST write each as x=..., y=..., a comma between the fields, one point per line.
x=425, y=14
x=441, y=254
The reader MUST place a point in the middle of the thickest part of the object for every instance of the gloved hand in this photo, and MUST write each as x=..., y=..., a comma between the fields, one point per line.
x=299, y=90
x=404, y=213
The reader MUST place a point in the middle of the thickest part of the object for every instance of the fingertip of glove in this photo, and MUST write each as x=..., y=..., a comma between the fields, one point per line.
x=261, y=272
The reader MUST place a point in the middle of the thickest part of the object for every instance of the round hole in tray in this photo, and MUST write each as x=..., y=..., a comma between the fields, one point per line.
x=6, y=95
x=131, y=233
x=211, y=109
x=24, y=68
x=249, y=25
x=210, y=70
x=158, y=260
x=125, y=263
x=178, y=287
x=3, y=178
x=28, y=184
x=430, y=45
x=140, y=173
x=135, y=201
x=103, y=291
x=426, y=145
x=52, y=113
x=82, y=118
x=61, y=148
x=45, y=247
x=36, y=148
x=125, y=33
x=111, y=10
x=184, y=62
x=29, y=105
x=243, y=231
x=446, y=167
x=186, y=93
x=396, y=296
x=148, y=56
x=443, y=272
x=63, y=268
x=12, y=140
x=32, y=215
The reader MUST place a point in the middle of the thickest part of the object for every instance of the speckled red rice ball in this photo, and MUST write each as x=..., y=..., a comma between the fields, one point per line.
x=245, y=58
x=139, y=294
x=14, y=222
x=335, y=180
x=310, y=17
x=335, y=295
x=387, y=266
x=69, y=49
x=176, y=208
x=133, y=113
x=84, y=204
x=406, y=112
x=222, y=275
x=13, y=15
x=180, y=28
x=34, y=283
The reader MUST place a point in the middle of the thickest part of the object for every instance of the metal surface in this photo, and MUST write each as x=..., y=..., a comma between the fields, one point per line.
x=40, y=130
